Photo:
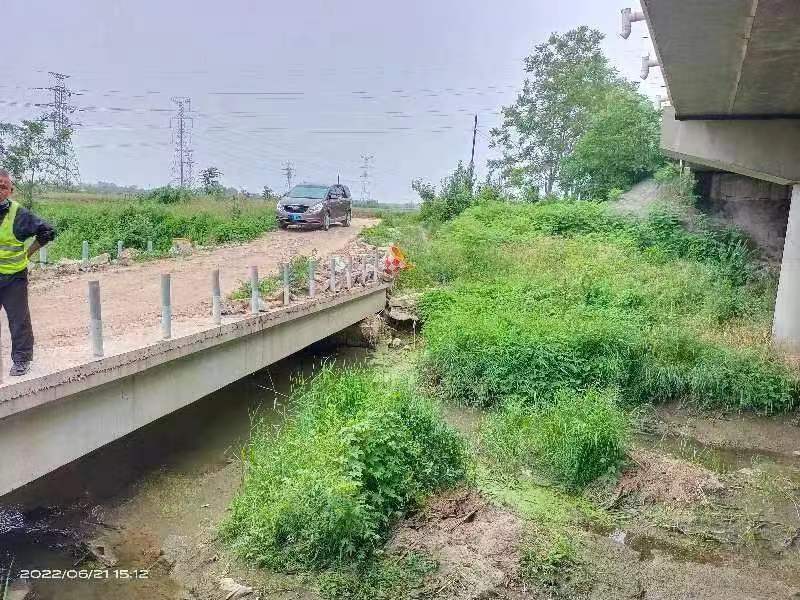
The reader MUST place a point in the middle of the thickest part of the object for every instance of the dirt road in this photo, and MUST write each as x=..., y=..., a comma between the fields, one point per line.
x=131, y=294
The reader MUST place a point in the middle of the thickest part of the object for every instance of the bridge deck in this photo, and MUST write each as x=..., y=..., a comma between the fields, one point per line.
x=50, y=420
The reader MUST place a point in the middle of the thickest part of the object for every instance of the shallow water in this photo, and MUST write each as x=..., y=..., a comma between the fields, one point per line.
x=163, y=482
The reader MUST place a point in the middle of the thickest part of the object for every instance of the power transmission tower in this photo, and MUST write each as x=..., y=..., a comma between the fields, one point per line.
x=472, y=156
x=366, y=165
x=289, y=171
x=190, y=166
x=60, y=109
x=182, y=124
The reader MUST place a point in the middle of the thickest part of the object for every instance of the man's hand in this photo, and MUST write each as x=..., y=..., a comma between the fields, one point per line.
x=34, y=248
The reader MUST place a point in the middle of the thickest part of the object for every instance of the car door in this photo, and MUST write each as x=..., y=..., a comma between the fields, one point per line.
x=335, y=202
x=346, y=201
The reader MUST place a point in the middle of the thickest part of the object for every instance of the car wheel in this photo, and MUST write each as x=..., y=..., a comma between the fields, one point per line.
x=326, y=221
x=348, y=218
x=284, y=225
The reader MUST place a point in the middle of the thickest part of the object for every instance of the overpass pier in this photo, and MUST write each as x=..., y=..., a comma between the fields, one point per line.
x=49, y=421
x=732, y=78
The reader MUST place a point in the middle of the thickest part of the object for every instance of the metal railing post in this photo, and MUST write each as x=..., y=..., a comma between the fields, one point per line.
x=95, y=319
x=364, y=274
x=333, y=274
x=254, y=291
x=312, y=284
x=286, y=292
x=166, y=306
x=216, y=300
x=85, y=253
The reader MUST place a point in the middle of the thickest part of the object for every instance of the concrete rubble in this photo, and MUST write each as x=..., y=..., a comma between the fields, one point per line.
x=403, y=308
x=234, y=590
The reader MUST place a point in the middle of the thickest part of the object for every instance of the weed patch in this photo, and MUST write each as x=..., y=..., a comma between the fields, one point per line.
x=327, y=485
x=387, y=578
x=573, y=439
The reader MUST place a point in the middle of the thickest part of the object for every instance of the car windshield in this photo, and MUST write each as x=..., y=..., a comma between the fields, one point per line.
x=316, y=192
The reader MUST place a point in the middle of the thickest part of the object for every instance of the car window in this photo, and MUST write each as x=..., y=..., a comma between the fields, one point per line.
x=316, y=192
x=346, y=191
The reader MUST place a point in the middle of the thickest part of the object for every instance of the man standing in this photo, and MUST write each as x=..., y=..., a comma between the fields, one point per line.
x=17, y=224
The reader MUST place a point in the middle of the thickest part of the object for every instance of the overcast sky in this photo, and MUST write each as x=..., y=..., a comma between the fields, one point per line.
x=317, y=82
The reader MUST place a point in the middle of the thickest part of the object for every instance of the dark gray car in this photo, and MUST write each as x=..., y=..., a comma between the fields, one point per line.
x=313, y=205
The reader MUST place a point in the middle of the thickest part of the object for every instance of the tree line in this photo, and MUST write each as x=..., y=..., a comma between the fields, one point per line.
x=577, y=129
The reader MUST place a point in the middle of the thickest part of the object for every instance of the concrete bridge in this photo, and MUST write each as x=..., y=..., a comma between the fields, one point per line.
x=731, y=70
x=48, y=421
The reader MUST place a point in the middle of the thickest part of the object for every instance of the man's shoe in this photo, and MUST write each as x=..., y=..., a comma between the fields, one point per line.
x=20, y=368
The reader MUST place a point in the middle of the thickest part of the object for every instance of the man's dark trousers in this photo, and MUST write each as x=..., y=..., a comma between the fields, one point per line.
x=14, y=299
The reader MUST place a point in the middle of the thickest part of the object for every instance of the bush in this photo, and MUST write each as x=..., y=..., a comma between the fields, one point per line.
x=573, y=437
x=168, y=195
x=326, y=487
x=103, y=223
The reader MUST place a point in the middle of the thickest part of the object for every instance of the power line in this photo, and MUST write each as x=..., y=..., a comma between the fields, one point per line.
x=182, y=124
x=66, y=164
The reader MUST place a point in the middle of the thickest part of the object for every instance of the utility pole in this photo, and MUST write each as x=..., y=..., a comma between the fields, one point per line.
x=366, y=165
x=181, y=125
x=58, y=115
x=288, y=170
x=472, y=157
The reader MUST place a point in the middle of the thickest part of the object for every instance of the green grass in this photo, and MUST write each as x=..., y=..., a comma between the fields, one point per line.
x=103, y=222
x=546, y=557
x=573, y=439
x=388, y=578
x=394, y=226
x=526, y=300
x=323, y=490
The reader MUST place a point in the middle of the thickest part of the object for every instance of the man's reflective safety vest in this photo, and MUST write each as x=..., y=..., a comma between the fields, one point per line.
x=13, y=256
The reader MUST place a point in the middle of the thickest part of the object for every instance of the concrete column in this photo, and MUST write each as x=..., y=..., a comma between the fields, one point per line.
x=786, y=323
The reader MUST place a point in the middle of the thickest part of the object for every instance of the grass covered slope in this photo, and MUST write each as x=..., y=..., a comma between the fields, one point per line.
x=325, y=488
x=551, y=296
x=102, y=223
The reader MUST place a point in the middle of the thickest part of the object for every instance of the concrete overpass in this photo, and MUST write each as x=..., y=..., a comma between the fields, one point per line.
x=732, y=73
x=49, y=421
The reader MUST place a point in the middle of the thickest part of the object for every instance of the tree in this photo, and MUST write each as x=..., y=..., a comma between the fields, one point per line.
x=567, y=76
x=456, y=195
x=26, y=153
x=267, y=193
x=619, y=148
x=210, y=178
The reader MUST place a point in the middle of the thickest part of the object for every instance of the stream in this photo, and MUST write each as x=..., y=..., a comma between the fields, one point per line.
x=96, y=529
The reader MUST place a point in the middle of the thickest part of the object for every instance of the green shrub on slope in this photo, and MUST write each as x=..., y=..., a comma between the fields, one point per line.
x=327, y=486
